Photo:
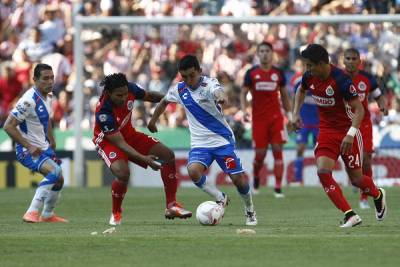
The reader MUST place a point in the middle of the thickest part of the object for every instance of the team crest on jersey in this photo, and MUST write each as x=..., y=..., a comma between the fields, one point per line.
x=329, y=91
x=112, y=155
x=130, y=105
x=274, y=77
x=352, y=89
x=103, y=117
x=362, y=86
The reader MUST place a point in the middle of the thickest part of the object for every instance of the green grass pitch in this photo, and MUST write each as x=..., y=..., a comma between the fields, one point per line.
x=299, y=230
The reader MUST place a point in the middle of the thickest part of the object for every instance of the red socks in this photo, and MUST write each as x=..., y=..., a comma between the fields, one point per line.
x=278, y=168
x=258, y=163
x=367, y=185
x=118, y=190
x=168, y=175
x=367, y=172
x=333, y=191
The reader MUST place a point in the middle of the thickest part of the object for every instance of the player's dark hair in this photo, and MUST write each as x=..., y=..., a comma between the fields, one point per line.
x=265, y=44
x=38, y=69
x=353, y=51
x=112, y=81
x=187, y=62
x=315, y=53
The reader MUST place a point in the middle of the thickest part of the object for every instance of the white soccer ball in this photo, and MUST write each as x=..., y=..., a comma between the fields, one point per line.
x=209, y=213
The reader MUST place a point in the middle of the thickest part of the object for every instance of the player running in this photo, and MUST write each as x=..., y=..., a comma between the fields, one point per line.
x=211, y=137
x=339, y=133
x=117, y=142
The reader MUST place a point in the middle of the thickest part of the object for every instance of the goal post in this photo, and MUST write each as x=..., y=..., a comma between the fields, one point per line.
x=81, y=21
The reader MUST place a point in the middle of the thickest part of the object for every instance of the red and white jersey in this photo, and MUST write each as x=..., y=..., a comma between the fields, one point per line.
x=331, y=96
x=364, y=83
x=111, y=119
x=264, y=86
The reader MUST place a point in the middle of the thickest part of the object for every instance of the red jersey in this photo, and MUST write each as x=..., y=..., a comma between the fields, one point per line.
x=264, y=86
x=364, y=84
x=331, y=96
x=111, y=119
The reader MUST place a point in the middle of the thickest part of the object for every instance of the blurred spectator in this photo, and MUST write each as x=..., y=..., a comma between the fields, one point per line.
x=10, y=89
x=34, y=47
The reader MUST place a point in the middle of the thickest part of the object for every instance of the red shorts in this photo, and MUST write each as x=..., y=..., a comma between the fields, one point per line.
x=139, y=141
x=271, y=131
x=366, y=132
x=328, y=145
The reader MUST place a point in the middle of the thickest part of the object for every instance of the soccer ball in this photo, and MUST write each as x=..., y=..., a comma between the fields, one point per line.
x=209, y=213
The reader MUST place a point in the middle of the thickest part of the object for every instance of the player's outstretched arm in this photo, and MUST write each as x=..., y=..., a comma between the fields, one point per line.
x=160, y=108
x=298, y=102
x=118, y=140
x=10, y=126
x=152, y=96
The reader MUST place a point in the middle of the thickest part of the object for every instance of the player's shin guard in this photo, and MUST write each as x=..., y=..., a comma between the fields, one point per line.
x=118, y=191
x=258, y=163
x=298, y=169
x=168, y=175
x=333, y=191
x=367, y=185
x=209, y=188
x=278, y=168
x=245, y=193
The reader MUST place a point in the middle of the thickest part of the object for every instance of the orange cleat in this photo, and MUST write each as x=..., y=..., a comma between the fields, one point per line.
x=31, y=217
x=54, y=219
x=177, y=211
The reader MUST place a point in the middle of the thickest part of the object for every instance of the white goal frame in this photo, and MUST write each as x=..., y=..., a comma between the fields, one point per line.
x=81, y=21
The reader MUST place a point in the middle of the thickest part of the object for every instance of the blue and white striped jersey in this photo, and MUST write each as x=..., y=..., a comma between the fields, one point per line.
x=33, y=111
x=207, y=125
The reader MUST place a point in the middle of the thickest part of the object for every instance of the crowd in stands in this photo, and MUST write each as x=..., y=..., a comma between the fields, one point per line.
x=34, y=31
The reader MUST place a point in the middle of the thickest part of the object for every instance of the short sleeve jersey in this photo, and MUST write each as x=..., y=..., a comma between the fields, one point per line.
x=111, y=119
x=331, y=96
x=33, y=113
x=264, y=86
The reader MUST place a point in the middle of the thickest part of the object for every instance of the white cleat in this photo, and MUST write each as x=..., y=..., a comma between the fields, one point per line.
x=255, y=191
x=380, y=205
x=351, y=222
x=251, y=218
x=115, y=219
x=279, y=195
x=223, y=202
x=364, y=205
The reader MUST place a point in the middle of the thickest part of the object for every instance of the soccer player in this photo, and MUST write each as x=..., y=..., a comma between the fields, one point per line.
x=267, y=86
x=364, y=83
x=310, y=122
x=117, y=142
x=29, y=126
x=211, y=137
x=339, y=133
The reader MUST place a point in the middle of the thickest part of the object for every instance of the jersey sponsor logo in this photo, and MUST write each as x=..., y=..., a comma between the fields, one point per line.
x=329, y=91
x=21, y=108
x=230, y=163
x=103, y=117
x=324, y=101
x=26, y=104
x=40, y=108
x=185, y=96
x=112, y=155
x=274, y=77
x=130, y=105
x=362, y=86
x=266, y=86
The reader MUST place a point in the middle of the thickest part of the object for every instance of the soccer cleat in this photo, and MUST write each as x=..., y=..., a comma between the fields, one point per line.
x=53, y=219
x=31, y=217
x=177, y=211
x=278, y=193
x=251, y=218
x=255, y=191
x=351, y=221
x=380, y=205
x=115, y=219
x=364, y=205
x=224, y=202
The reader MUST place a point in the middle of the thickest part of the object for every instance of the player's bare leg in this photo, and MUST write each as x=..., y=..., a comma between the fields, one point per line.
x=168, y=174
